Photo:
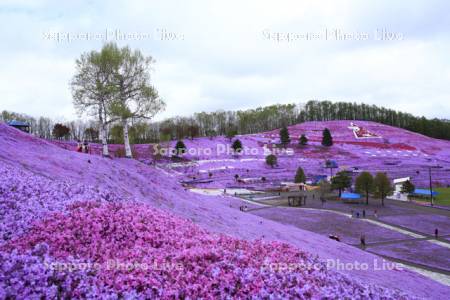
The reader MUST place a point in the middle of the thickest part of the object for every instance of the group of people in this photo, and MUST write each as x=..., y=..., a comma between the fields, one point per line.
x=358, y=214
x=243, y=208
x=83, y=147
x=334, y=237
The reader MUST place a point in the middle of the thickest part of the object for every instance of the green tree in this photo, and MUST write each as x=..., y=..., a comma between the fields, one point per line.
x=93, y=87
x=303, y=140
x=116, y=134
x=300, y=176
x=327, y=139
x=237, y=146
x=284, y=136
x=271, y=160
x=408, y=187
x=382, y=186
x=211, y=134
x=364, y=184
x=60, y=131
x=134, y=97
x=231, y=134
x=91, y=134
x=324, y=187
x=341, y=181
x=180, y=148
x=193, y=130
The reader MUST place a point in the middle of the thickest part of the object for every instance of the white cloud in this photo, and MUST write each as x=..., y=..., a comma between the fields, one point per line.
x=223, y=61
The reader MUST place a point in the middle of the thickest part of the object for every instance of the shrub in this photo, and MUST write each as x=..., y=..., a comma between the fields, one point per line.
x=284, y=136
x=237, y=146
x=271, y=160
x=300, y=176
x=120, y=152
x=327, y=139
x=303, y=140
x=180, y=148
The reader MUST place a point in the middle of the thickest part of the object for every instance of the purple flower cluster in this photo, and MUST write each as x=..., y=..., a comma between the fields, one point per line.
x=26, y=197
x=197, y=264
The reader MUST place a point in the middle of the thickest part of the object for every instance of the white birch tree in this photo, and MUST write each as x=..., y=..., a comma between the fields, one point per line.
x=135, y=97
x=92, y=87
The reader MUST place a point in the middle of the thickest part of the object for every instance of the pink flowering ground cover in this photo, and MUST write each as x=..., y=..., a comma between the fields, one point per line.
x=26, y=197
x=196, y=263
x=396, y=151
x=44, y=186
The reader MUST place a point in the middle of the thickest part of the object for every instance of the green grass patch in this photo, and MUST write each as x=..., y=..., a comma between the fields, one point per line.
x=443, y=198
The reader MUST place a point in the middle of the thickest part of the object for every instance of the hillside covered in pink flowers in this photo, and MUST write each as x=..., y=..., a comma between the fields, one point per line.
x=375, y=147
x=398, y=152
x=83, y=226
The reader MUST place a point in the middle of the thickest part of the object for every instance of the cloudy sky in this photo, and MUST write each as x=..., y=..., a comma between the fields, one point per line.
x=230, y=55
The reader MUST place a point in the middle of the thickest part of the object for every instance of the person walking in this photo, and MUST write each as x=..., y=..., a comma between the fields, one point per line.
x=363, y=241
x=79, y=146
x=436, y=233
x=85, y=147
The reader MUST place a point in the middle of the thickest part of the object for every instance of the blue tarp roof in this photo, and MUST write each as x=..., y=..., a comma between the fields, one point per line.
x=347, y=195
x=424, y=192
x=18, y=123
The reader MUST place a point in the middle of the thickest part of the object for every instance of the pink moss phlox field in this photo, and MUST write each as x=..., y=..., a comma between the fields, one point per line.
x=26, y=197
x=172, y=257
x=45, y=187
x=25, y=276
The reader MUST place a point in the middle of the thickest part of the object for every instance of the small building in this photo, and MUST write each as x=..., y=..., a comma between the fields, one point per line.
x=397, y=193
x=292, y=187
x=250, y=180
x=23, y=126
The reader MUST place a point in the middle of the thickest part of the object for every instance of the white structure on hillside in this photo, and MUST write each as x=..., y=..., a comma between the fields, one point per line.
x=293, y=187
x=398, y=195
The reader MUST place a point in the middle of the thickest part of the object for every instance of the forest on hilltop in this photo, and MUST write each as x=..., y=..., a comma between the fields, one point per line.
x=229, y=123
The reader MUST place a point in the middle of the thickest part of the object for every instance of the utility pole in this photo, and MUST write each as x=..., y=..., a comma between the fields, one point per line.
x=431, y=186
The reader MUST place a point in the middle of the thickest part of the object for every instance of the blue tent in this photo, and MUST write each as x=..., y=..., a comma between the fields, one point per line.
x=350, y=196
x=423, y=192
x=17, y=123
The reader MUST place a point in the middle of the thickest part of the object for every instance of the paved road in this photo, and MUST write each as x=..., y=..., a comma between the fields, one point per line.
x=392, y=207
